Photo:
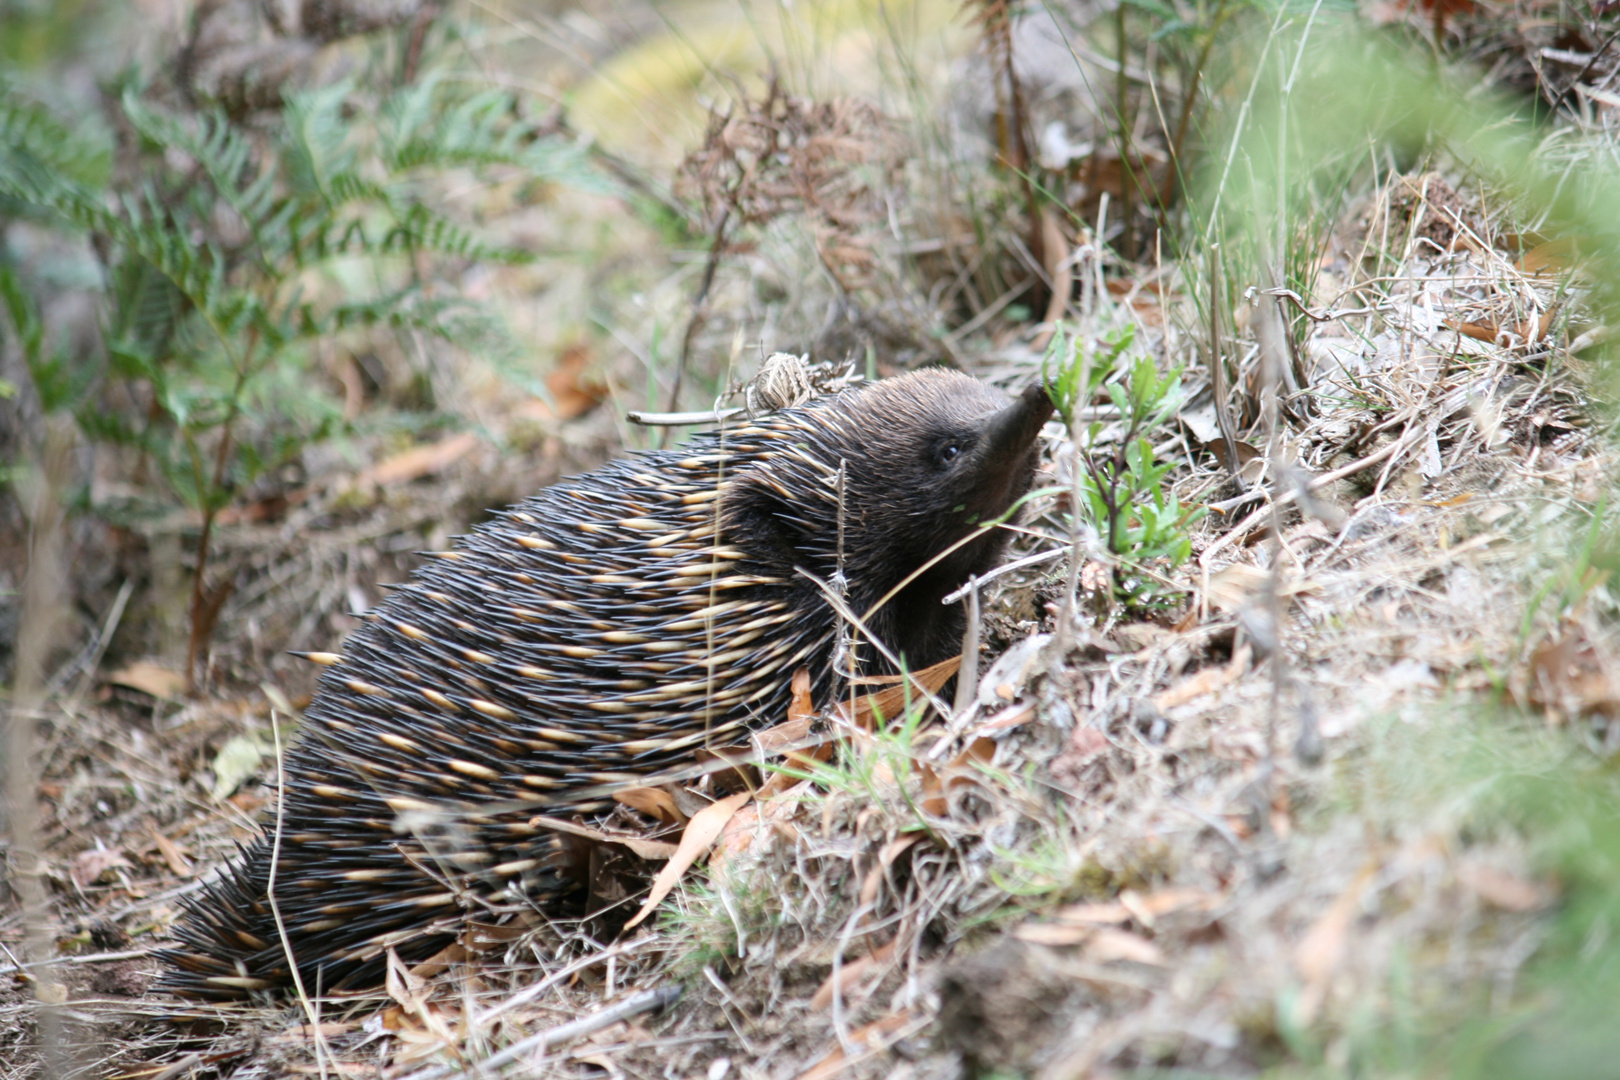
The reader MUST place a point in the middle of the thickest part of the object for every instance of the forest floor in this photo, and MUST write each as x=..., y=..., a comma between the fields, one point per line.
x=1337, y=807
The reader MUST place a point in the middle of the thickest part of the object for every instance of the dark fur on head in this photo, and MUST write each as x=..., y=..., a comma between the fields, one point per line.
x=600, y=633
x=928, y=459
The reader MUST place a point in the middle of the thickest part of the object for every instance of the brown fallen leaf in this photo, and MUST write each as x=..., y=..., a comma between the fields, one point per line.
x=737, y=835
x=269, y=508
x=800, y=722
x=1549, y=258
x=1319, y=952
x=874, y=877
x=889, y=703
x=654, y=802
x=1571, y=675
x=865, y=1039
x=747, y=830
x=173, y=854
x=1107, y=945
x=802, y=709
x=1205, y=681
x=88, y=866
x=150, y=679
x=453, y=953
x=1531, y=329
x=958, y=772
x=410, y=991
x=1147, y=908
x=1246, y=453
x=652, y=850
x=418, y=461
x=1092, y=914
x=845, y=976
x=1055, y=934
x=574, y=392
x=1502, y=889
x=1014, y=715
x=700, y=835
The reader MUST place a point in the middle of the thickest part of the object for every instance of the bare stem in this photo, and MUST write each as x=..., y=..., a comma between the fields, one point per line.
x=41, y=618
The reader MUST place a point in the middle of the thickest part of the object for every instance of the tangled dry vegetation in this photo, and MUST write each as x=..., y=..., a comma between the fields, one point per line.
x=1232, y=833
x=1147, y=848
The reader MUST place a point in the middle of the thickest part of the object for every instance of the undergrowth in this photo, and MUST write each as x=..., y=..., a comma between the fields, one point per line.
x=231, y=257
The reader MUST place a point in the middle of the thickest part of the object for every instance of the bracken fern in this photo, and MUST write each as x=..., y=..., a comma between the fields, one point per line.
x=221, y=272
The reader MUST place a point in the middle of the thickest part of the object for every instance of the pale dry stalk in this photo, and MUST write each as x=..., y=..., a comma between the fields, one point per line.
x=41, y=617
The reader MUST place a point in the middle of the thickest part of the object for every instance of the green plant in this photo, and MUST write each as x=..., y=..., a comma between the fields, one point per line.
x=223, y=273
x=1120, y=480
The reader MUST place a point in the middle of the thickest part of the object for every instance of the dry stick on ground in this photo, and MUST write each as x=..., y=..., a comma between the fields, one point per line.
x=1269, y=329
x=1242, y=528
x=1071, y=589
x=1217, y=368
x=967, y=676
x=635, y=1005
x=41, y=616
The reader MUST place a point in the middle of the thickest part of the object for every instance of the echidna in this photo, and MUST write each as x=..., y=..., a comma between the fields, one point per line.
x=602, y=631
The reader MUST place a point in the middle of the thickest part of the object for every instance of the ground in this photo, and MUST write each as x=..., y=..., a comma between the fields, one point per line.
x=1325, y=795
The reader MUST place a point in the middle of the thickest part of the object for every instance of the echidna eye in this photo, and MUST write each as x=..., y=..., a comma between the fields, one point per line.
x=948, y=452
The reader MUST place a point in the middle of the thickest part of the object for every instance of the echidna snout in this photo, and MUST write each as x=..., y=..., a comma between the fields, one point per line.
x=599, y=633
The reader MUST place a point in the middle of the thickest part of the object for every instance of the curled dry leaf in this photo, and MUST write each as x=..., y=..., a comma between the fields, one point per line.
x=800, y=722
x=1205, y=681
x=453, y=953
x=1570, y=675
x=874, y=877
x=1014, y=715
x=573, y=391
x=653, y=850
x=407, y=989
x=751, y=828
x=700, y=835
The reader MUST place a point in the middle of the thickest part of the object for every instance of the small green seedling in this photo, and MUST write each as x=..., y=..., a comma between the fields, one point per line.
x=1121, y=480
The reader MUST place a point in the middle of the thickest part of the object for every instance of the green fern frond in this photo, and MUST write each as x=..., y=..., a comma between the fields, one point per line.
x=33, y=138
x=425, y=127
x=226, y=156
x=316, y=142
x=425, y=230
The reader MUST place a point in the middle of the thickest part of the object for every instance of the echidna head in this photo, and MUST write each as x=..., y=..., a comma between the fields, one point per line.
x=929, y=458
x=946, y=455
